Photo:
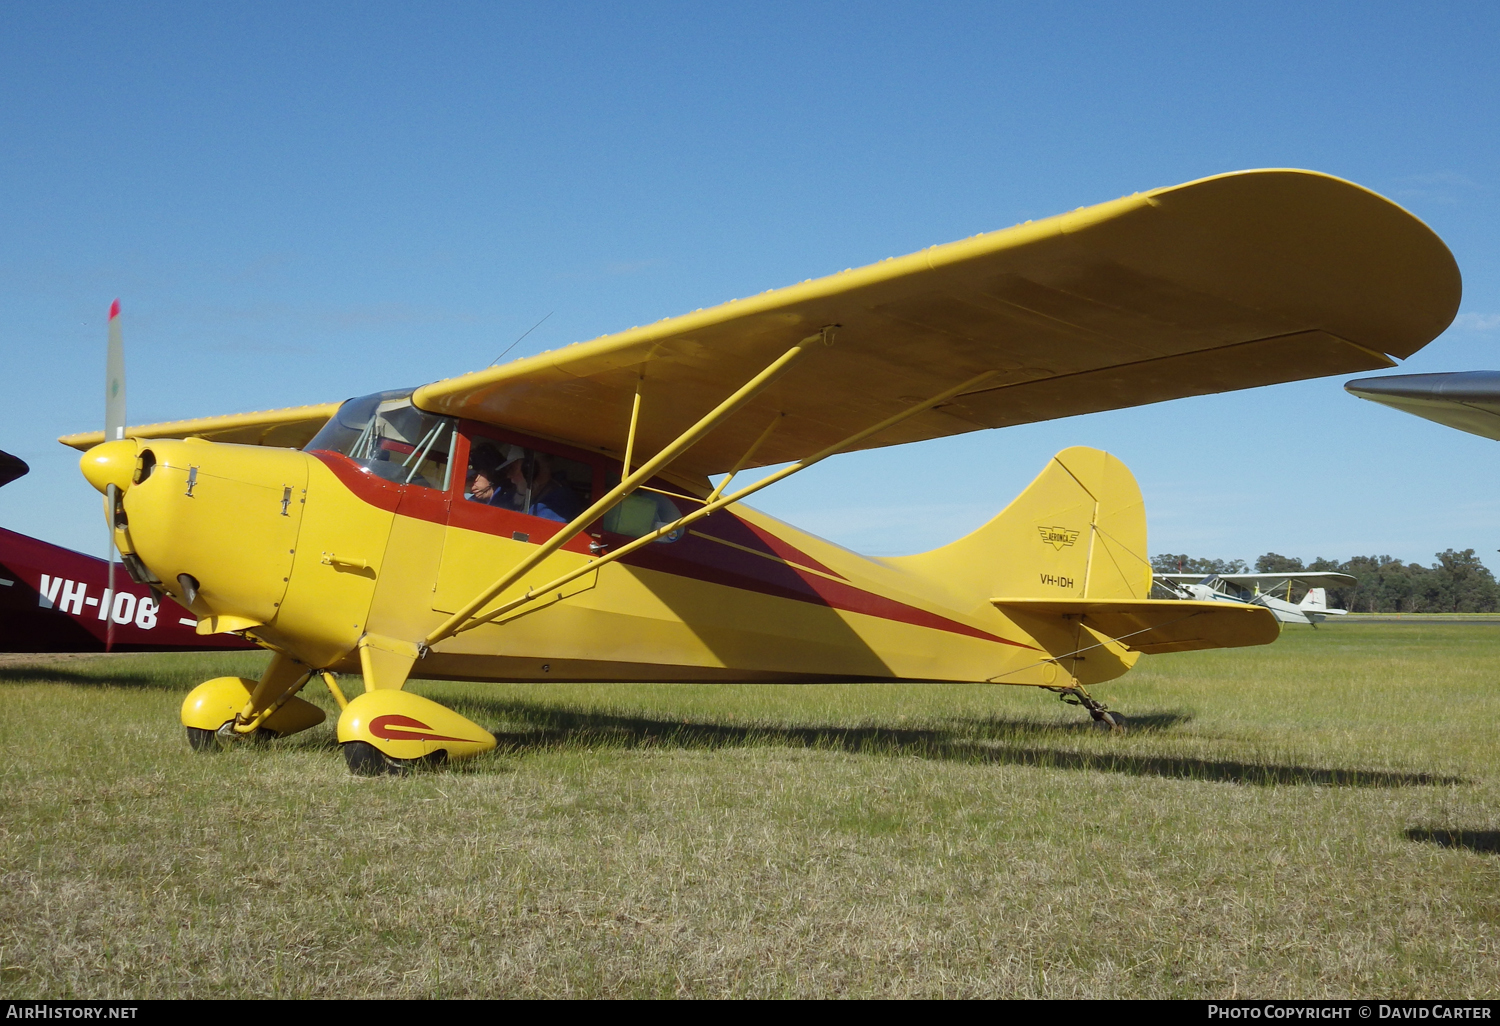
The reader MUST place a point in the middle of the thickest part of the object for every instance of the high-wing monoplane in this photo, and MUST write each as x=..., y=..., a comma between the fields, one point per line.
x=1273, y=591
x=556, y=518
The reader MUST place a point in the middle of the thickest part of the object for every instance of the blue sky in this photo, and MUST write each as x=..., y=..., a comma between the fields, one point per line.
x=304, y=202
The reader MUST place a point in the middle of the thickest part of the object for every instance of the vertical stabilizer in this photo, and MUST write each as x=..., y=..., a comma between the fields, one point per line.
x=1078, y=532
x=1316, y=598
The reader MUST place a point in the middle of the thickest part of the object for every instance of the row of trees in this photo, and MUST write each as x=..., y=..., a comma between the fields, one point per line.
x=1457, y=583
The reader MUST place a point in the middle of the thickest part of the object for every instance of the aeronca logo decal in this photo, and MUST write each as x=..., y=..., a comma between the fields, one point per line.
x=403, y=728
x=1058, y=537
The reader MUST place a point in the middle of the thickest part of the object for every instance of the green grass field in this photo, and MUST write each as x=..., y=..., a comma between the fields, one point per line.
x=1317, y=818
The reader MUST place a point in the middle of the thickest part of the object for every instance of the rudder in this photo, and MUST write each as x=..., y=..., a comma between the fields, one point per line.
x=1077, y=531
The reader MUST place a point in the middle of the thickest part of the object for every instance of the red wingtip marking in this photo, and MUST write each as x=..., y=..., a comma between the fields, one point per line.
x=114, y=309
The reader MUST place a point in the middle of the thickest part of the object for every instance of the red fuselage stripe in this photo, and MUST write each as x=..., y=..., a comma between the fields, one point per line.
x=690, y=557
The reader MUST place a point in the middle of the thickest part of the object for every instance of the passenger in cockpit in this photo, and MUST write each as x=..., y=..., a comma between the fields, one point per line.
x=520, y=480
x=553, y=498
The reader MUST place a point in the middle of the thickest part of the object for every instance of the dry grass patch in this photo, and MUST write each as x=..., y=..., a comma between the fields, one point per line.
x=1316, y=818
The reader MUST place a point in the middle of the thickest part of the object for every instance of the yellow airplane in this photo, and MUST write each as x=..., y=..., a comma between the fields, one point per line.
x=554, y=518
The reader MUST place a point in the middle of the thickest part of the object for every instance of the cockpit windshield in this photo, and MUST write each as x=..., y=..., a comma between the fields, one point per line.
x=388, y=436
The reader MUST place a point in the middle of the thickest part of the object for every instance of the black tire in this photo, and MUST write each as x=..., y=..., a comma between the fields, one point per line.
x=365, y=760
x=200, y=740
x=1112, y=721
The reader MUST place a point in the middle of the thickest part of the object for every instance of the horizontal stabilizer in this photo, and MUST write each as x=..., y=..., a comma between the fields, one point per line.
x=1155, y=626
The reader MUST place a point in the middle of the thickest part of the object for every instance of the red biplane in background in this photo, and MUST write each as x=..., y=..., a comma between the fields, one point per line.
x=53, y=599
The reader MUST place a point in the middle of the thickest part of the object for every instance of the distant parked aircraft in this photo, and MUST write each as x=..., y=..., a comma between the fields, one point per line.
x=53, y=599
x=1260, y=590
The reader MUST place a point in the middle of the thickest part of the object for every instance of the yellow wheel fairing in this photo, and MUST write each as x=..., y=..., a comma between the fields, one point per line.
x=216, y=702
x=406, y=726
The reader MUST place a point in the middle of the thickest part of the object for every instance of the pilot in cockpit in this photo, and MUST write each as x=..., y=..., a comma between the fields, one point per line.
x=513, y=478
x=486, y=478
x=552, y=496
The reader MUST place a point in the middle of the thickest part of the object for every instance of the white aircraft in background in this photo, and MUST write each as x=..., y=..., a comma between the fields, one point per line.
x=1261, y=590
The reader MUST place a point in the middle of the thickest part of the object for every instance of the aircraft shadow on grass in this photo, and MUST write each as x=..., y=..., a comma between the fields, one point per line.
x=560, y=727
x=56, y=673
x=43, y=673
x=993, y=741
x=1484, y=841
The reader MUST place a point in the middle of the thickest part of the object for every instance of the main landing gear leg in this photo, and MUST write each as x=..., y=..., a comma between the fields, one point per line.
x=1103, y=718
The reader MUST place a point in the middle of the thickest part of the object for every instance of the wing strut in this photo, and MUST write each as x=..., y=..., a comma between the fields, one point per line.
x=635, y=416
x=534, y=593
x=632, y=481
x=749, y=455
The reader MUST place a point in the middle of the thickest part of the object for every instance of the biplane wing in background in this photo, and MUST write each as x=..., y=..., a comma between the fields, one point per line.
x=365, y=553
x=1262, y=590
x=1466, y=400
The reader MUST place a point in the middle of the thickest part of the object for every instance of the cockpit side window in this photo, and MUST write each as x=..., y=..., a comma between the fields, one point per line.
x=389, y=437
x=645, y=510
x=526, y=480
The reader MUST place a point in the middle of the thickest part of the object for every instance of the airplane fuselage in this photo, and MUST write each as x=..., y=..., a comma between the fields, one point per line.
x=310, y=551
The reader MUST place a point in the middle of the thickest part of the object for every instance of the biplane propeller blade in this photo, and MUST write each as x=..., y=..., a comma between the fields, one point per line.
x=114, y=374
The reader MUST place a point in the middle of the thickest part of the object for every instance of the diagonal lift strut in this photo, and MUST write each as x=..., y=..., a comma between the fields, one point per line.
x=631, y=480
x=716, y=502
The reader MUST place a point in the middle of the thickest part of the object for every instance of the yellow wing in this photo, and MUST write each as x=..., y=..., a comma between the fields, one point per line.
x=292, y=428
x=1228, y=282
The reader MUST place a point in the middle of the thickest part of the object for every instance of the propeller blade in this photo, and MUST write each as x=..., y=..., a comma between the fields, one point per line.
x=114, y=430
x=114, y=389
